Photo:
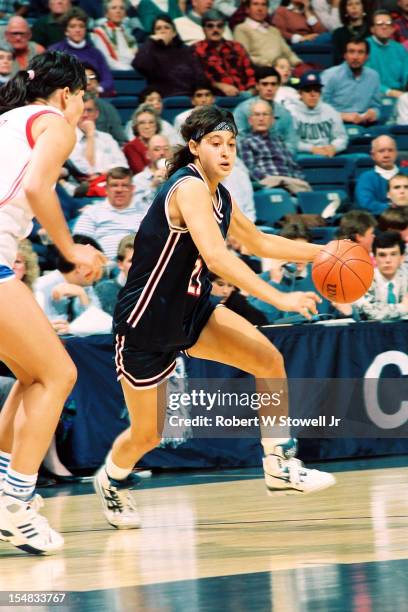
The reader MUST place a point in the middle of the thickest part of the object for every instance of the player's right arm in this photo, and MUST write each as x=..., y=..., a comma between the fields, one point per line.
x=193, y=207
x=54, y=140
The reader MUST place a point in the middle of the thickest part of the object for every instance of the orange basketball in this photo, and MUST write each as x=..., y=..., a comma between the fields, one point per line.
x=342, y=271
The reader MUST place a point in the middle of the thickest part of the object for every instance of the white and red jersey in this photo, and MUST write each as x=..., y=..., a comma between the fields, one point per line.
x=16, y=148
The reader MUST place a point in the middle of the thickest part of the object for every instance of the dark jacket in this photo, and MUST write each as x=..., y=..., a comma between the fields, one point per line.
x=172, y=69
x=93, y=58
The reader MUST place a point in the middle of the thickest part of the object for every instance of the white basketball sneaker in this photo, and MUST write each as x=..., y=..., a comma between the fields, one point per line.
x=117, y=503
x=286, y=475
x=22, y=526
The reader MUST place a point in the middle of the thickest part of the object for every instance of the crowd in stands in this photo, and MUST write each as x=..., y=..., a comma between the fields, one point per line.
x=295, y=117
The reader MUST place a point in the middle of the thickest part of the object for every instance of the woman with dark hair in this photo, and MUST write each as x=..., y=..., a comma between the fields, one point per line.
x=39, y=110
x=165, y=307
x=166, y=62
x=150, y=95
x=355, y=17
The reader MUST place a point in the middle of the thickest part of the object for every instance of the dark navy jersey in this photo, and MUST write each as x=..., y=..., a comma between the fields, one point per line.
x=168, y=285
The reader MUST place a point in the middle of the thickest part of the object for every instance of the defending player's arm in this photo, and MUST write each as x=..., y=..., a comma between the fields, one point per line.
x=264, y=245
x=194, y=205
x=54, y=141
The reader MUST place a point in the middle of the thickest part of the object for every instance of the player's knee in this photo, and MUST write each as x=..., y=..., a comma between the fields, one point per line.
x=270, y=364
x=66, y=378
x=147, y=440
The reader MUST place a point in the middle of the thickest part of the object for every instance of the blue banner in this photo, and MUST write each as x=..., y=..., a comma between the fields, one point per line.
x=357, y=351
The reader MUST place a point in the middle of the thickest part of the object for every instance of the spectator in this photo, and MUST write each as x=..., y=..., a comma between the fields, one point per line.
x=166, y=62
x=401, y=22
x=352, y=88
x=18, y=35
x=287, y=276
x=286, y=92
x=372, y=185
x=355, y=17
x=95, y=152
x=398, y=191
x=387, y=298
x=65, y=293
x=112, y=219
x=151, y=97
x=298, y=23
x=225, y=63
x=145, y=125
x=396, y=220
x=238, y=183
x=108, y=119
x=75, y=23
x=327, y=11
x=107, y=290
x=49, y=29
x=267, y=158
x=267, y=85
x=26, y=266
x=228, y=295
x=114, y=39
x=319, y=127
x=402, y=110
x=149, y=180
x=263, y=42
x=203, y=95
x=6, y=64
x=388, y=57
x=189, y=27
x=358, y=226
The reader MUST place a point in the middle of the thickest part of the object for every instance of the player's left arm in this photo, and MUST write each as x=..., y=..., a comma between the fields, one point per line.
x=265, y=245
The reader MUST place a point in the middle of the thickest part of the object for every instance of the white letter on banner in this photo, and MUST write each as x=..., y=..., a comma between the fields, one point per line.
x=380, y=418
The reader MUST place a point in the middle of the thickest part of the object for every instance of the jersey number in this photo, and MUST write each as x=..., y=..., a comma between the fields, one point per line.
x=194, y=286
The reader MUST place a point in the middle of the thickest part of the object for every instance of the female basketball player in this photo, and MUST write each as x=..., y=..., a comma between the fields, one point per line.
x=39, y=109
x=165, y=308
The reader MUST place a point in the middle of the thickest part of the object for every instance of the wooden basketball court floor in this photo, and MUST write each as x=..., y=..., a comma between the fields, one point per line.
x=216, y=541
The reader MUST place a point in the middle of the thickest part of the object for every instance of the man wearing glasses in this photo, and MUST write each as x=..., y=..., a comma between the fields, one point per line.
x=388, y=57
x=18, y=36
x=225, y=63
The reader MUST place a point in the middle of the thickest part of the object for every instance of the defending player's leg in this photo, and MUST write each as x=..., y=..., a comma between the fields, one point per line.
x=46, y=375
x=113, y=480
x=230, y=339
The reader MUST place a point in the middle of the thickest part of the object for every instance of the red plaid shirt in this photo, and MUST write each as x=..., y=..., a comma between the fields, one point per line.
x=228, y=63
x=400, y=24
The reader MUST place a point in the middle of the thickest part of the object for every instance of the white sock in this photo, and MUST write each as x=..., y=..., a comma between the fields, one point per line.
x=269, y=444
x=4, y=463
x=115, y=472
x=19, y=485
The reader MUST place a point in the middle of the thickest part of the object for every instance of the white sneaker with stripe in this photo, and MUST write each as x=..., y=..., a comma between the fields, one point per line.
x=23, y=527
x=117, y=503
x=286, y=475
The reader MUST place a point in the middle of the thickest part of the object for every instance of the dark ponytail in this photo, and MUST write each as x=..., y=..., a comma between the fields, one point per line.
x=200, y=122
x=45, y=74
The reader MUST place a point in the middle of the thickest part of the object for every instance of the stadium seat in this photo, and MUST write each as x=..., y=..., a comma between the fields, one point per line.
x=319, y=54
x=400, y=133
x=362, y=165
x=272, y=204
x=125, y=105
x=128, y=82
x=229, y=102
x=322, y=235
x=175, y=105
x=360, y=143
x=327, y=174
x=315, y=202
